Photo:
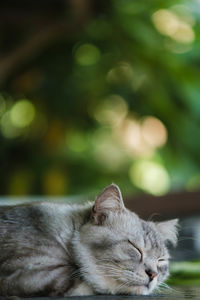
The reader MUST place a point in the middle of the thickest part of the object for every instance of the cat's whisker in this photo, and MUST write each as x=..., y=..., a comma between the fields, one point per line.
x=128, y=273
x=120, y=287
x=111, y=267
x=165, y=286
x=117, y=267
x=111, y=272
x=162, y=290
x=186, y=238
x=75, y=274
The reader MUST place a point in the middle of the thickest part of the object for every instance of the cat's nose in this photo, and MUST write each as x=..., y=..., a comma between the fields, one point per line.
x=151, y=274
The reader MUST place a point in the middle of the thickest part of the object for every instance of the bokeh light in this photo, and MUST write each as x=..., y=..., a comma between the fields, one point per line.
x=106, y=151
x=170, y=24
x=22, y=113
x=150, y=176
x=76, y=142
x=122, y=73
x=141, y=137
x=154, y=132
x=130, y=135
x=87, y=55
x=111, y=110
x=7, y=127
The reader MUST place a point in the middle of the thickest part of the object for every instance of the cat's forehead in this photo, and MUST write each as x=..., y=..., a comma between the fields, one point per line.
x=153, y=240
x=144, y=234
x=127, y=226
x=127, y=222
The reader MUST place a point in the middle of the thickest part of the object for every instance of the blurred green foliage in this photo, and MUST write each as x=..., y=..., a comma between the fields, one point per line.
x=185, y=273
x=112, y=97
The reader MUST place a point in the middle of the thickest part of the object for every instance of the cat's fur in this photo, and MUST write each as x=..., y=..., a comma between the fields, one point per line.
x=99, y=248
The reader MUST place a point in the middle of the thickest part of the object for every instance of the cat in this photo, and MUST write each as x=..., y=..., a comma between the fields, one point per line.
x=57, y=249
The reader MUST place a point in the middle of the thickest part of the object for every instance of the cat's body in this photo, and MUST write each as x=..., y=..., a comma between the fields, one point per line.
x=49, y=249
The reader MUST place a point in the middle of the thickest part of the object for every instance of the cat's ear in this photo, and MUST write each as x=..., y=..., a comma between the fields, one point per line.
x=110, y=199
x=169, y=230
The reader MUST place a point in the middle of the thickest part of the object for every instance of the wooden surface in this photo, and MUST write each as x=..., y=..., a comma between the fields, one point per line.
x=180, y=204
x=189, y=292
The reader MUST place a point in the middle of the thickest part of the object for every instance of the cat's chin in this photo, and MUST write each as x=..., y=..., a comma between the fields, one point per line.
x=145, y=289
x=141, y=289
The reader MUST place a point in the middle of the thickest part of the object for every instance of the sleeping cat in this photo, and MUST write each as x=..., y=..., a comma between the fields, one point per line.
x=50, y=249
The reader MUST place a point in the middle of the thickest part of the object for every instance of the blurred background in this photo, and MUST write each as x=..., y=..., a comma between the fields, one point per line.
x=94, y=92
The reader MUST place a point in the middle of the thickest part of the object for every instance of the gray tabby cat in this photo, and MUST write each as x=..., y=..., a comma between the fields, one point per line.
x=49, y=249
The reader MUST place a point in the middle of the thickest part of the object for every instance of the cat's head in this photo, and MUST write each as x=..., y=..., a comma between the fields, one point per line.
x=118, y=252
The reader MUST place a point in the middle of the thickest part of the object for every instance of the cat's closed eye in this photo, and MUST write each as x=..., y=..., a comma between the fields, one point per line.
x=161, y=259
x=138, y=250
